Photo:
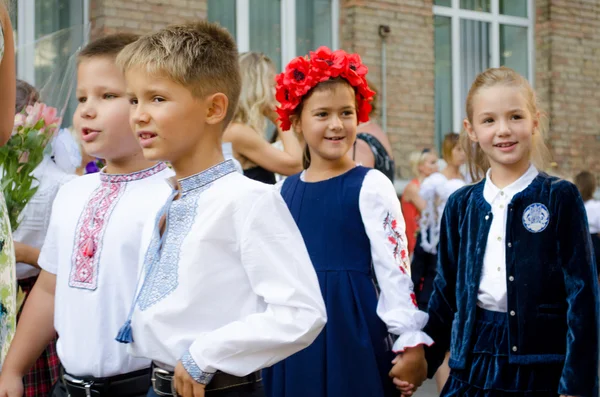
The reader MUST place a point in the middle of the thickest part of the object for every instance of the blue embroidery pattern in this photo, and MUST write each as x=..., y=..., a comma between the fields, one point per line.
x=536, y=218
x=162, y=258
x=195, y=372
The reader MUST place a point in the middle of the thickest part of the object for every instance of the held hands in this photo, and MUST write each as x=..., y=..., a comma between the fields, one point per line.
x=183, y=383
x=409, y=370
x=11, y=385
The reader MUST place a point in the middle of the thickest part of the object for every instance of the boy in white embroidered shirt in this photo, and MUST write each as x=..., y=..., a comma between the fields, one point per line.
x=90, y=255
x=228, y=287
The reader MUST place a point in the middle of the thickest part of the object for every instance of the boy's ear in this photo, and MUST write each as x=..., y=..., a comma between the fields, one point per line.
x=469, y=129
x=217, y=105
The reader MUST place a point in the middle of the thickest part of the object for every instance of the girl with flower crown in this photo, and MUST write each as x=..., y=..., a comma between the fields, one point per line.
x=352, y=225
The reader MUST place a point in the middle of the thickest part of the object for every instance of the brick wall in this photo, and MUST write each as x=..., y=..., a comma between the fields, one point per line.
x=568, y=55
x=410, y=66
x=142, y=16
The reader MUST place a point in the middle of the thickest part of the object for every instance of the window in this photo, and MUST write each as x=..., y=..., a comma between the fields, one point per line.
x=282, y=29
x=47, y=34
x=471, y=36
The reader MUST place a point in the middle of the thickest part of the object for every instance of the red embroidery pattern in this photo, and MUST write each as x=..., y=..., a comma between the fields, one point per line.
x=397, y=240
x=413, y=297
x=89, y=235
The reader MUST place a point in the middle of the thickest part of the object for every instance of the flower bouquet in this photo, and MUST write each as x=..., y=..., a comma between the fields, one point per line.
x=32, y=131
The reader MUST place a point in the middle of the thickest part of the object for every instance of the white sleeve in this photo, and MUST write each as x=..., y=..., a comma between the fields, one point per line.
x=385, y=227
x=280, y=271
x=48, y=259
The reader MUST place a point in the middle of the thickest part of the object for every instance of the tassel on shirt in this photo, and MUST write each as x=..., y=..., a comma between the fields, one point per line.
x=125, y=334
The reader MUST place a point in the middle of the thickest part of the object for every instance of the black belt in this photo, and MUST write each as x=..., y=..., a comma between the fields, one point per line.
x=162, y=381
x=132, y=383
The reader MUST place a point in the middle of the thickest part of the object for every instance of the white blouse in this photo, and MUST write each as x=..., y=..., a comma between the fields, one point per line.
x=435, y=190
x=386, y=229
x=229, y=285
x=492, y=285
x=35, y=218
x=92, y=247
x=592, y=208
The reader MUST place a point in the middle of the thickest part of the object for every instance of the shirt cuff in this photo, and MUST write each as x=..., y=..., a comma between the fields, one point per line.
x=194, y=370
x=411, y=339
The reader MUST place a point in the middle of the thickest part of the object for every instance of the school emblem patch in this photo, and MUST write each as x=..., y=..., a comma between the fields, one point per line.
x=536, y=218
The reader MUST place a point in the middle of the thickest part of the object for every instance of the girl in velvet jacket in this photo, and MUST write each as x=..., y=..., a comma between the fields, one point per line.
x=515, y=299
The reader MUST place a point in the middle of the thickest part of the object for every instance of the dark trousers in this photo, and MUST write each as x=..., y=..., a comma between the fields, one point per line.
x=252, y=390
x=60, y=390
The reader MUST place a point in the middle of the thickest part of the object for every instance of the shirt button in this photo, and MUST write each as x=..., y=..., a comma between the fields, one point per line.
x=509, y=245
x=512, y=313
x=511, y=278
x=501, y=193
x=487, y=217
x=499, y=238
x=501, y=206
x=499, y=269
x=514, y=348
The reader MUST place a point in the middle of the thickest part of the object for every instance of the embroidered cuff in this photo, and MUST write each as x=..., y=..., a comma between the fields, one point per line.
x=411, y=339
x=195, y=372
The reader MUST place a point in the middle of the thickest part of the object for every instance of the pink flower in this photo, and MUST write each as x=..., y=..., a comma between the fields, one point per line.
x=50, y=115
x=19, y=120
x=34, y=113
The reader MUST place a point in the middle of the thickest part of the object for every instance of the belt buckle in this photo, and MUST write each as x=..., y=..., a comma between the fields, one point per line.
x=157, y=370
x=87, y=384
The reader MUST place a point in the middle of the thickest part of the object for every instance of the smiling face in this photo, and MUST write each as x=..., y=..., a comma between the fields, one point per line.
x=503, y=125
x=328, y=122
x=102, y=115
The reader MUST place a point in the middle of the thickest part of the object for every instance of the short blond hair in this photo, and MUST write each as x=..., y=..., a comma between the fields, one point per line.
x=201, y=56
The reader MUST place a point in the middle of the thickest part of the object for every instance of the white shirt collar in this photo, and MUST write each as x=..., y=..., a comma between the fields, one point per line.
x=491, y=192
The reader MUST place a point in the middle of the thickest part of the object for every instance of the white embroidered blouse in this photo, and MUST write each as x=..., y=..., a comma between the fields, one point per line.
x=92, y=247
x=384, y=224
x=232, y=288
x=435, y=190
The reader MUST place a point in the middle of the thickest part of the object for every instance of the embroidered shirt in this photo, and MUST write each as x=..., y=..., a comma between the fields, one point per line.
x=229, y=286
x=36, y=214
x=492, y=285
x=384, y=224
x=435, y=190
x=94, y=289
x=592, y=208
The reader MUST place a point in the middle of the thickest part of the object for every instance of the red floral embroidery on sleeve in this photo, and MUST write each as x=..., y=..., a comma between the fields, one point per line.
x=397, y=240
x=413, y=297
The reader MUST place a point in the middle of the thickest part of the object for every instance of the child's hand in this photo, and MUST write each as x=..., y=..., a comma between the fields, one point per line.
x=185, y=385
x=409, y=370
x=11, y=385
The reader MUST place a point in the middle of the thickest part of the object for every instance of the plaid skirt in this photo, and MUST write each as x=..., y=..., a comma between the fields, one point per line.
x=45, y=372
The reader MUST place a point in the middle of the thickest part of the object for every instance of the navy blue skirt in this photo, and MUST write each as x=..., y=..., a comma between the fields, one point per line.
x=488, y=373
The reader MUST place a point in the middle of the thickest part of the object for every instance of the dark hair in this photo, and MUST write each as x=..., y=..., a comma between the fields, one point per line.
x=26, y=95
x=586, y=184
x=107, y=46
x=322, y=86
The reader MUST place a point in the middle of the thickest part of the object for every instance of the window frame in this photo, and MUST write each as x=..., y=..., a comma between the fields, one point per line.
x=26, y=35
x=455, y=13
x=288, y=27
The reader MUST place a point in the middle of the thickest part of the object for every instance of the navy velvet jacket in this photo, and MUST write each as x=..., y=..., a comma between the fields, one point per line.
x=551, y=283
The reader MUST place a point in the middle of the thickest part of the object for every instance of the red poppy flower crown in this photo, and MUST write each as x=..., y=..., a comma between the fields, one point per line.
x=304, y=73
